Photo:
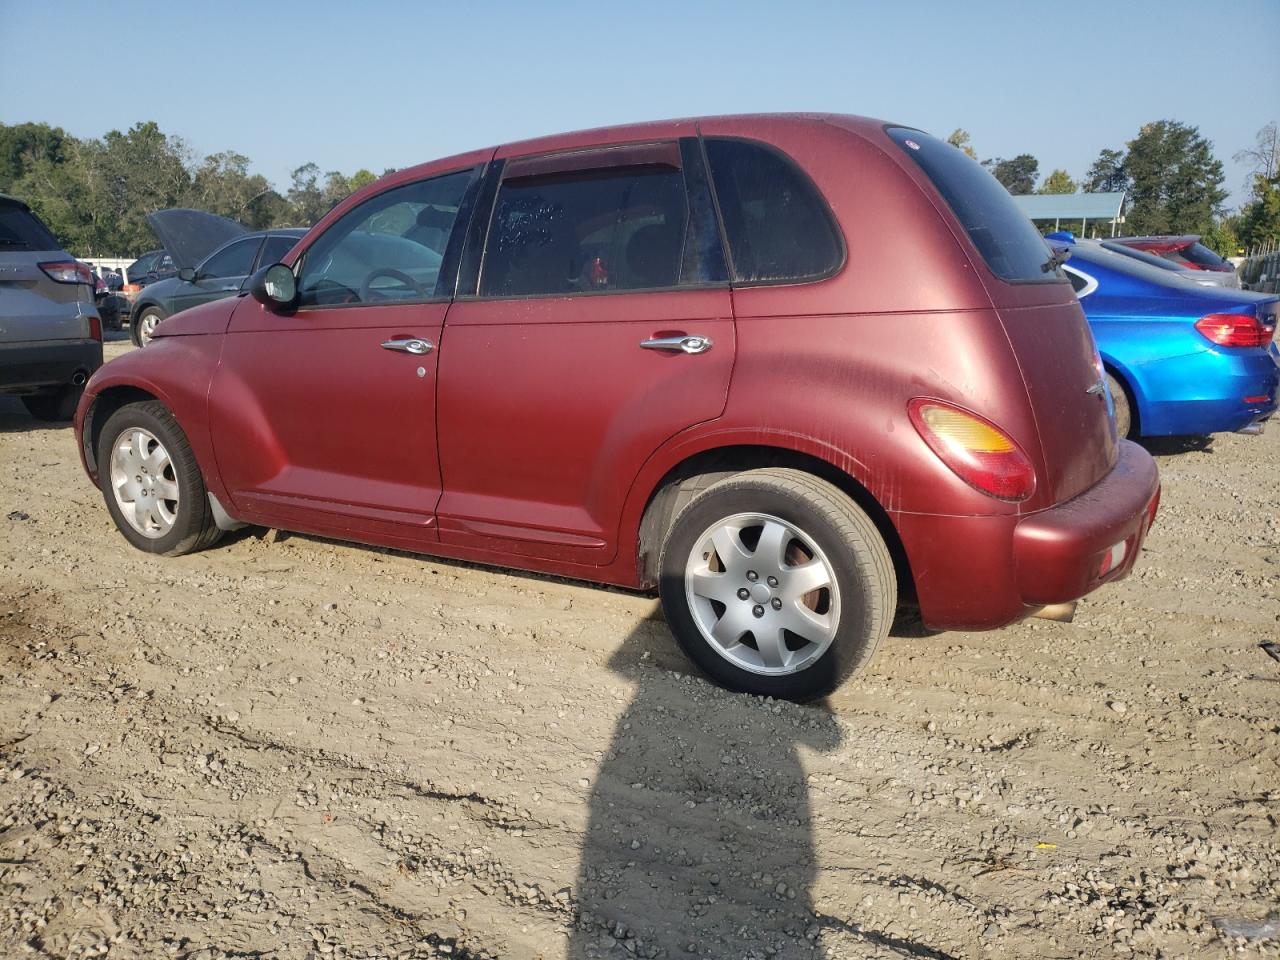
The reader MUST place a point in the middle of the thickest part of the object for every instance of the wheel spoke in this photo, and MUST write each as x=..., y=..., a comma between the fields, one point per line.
x=704, y=583
x=140, y=514
x=806, y=578
x=803, y=622
x=772, y=646
x=165, y=489
x=771, y=547
x=139, y=446
x=730, y=628
x=733, y=555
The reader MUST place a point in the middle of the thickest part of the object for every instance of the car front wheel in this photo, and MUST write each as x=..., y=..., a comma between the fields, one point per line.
x=151, y=482
x=144, y=327
x=776, y=583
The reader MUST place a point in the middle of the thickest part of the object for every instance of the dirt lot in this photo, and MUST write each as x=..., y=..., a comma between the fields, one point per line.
x=306, y=749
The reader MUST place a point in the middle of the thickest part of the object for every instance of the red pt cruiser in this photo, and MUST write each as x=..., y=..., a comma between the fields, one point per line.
x=786, y=369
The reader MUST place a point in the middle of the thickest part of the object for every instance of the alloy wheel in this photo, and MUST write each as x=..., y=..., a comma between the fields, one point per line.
x=144, y=482
x=762, y=593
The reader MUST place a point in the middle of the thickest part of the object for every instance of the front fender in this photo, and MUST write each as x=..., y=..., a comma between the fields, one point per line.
x=177, y=371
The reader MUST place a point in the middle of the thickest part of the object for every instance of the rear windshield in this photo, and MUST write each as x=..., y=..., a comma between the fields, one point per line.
x=1202, y=255
x=1006, y=239
x=1148, y=258
x=21, y=230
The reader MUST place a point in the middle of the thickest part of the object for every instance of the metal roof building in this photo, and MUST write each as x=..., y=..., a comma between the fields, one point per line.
x=1105, y=207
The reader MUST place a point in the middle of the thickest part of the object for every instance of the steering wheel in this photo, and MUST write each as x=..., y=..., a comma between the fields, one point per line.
x=366, y=287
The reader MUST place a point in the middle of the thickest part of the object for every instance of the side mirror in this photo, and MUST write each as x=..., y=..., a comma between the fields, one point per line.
x=275, y=287
x=188, y=274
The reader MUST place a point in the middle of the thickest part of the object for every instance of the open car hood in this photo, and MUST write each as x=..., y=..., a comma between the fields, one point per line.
x=191, y=235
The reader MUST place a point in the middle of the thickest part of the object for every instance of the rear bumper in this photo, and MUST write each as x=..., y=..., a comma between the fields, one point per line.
x=43, y=364
x=1212, y=392
x=985, y=572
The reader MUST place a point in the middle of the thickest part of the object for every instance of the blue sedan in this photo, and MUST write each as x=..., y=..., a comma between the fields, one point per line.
x=1180, y=358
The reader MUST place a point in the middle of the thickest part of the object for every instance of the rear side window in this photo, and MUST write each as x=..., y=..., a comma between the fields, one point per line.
x=587, y=231
x=233, y=260
x=274, y=249
x=1011, y=246
x=778, y=227
x=21, y=230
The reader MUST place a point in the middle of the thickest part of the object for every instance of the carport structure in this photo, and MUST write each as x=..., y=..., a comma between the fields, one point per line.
x=1105, y=207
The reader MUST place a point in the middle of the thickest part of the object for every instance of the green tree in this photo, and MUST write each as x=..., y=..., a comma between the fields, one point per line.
x=1260, y=219
x=23, y=145
x=1059, y=181
x=361, y=178
x=1107, y=175
x=1176, y=180
x=1264, y=158
x=960, y=140
x=1018, y=175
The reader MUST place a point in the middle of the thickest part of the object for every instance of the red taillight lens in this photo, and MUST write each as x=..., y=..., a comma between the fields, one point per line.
x=67, y=271
x=1235, y=330
x=975, y=449
x=95, y=328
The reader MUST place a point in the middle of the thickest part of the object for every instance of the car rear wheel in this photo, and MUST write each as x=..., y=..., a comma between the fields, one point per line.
x=151, y=482
x=56, y=407
x=776, y=583
x=144, y=327
x=1124, y=411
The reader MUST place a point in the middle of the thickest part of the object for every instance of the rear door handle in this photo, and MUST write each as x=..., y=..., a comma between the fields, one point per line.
x=414, y=345
x=689, y=344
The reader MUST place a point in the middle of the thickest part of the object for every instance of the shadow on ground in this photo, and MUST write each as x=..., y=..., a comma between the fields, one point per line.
x=700, y=841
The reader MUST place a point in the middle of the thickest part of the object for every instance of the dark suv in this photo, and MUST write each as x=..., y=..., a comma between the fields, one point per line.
x=787, y=370
x=50, y=331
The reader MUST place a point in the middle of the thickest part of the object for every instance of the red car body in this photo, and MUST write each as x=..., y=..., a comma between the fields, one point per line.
x=538, y=436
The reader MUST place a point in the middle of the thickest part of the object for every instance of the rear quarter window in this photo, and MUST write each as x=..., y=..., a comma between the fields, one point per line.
x=778, y=227
x=20, y=229
x=1007, y=241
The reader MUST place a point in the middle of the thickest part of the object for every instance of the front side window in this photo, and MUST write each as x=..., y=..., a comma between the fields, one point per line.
x=587, y=231
x=1009, y=243
x=388, y=249
x=233, y=260
x=777, y=224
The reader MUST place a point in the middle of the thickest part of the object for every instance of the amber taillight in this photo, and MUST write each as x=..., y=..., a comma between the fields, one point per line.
x=976, y=450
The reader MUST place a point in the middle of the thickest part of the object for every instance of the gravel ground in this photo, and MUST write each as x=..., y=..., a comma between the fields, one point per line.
x=303, y=749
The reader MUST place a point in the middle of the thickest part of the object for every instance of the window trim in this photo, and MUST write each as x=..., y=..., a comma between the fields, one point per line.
x=499, y=177
x=480, y=171
x=824, y=204
x=1090, y=283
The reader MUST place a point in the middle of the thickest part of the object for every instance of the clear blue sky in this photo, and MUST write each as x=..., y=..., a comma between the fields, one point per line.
x=381, y=84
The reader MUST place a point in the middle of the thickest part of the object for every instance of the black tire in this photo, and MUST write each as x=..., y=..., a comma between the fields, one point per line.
x=193, y=525
x=146, y=315
x=58, y=406
x=862, y=567
x=1126, y=423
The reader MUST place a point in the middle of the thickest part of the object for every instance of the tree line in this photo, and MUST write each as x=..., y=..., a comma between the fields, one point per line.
x=94, y=194
x=1173, y=181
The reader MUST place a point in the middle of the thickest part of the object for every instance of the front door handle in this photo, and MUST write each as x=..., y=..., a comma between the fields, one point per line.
x=690, y=344
x=414, y=345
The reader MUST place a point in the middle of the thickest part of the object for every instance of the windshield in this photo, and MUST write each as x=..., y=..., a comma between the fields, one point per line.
x=1006, y=239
